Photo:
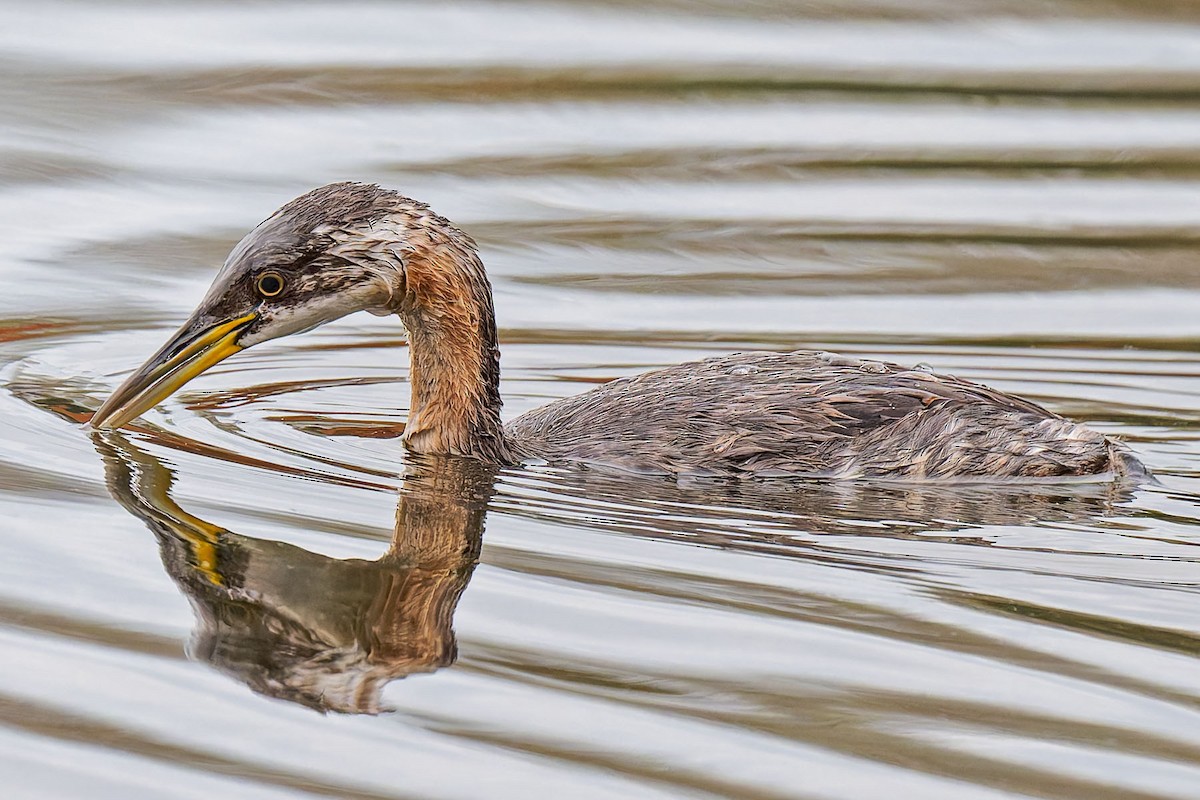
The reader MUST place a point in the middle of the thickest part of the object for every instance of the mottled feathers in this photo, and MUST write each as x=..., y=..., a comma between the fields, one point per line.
x=805, y=413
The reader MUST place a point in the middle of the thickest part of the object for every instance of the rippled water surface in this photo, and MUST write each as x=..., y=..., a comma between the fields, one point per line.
x=1007, y=191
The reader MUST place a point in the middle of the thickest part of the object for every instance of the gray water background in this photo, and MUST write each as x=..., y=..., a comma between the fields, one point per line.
x=1008, y=191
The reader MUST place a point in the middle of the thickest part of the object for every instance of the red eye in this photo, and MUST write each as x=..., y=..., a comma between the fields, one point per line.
x=269, y=284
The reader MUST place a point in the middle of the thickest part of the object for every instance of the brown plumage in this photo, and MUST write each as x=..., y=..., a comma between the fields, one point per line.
x=348, y=247
x=804, y=413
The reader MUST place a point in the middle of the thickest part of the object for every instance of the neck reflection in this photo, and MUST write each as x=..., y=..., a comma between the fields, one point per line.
x=323, y=632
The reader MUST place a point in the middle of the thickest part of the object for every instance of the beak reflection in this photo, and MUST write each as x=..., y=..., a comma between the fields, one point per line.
x=195, y=348
x=321, y=632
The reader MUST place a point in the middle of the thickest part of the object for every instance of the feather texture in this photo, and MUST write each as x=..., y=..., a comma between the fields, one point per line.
x=806, y=413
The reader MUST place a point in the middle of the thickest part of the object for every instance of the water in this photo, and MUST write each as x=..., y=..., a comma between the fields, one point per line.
x=1005, y=191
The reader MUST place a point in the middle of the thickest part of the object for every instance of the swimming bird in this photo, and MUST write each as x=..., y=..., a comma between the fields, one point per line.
x=350, y=247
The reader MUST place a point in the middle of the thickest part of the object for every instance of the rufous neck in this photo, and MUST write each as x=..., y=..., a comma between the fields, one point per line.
x=454, y=356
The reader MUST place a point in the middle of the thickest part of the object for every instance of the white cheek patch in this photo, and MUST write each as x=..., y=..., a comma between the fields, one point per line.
x=285, y=321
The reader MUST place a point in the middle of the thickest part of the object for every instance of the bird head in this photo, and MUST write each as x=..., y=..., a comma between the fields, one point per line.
x=329, y=253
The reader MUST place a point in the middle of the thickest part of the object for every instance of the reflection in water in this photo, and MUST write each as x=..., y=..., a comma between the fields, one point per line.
x=766, y=516
x=323, y=632
x=329, y=633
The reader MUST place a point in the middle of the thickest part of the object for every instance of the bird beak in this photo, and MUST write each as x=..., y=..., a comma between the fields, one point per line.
x=195, y=348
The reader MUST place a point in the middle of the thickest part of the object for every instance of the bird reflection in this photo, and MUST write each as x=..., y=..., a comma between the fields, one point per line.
x=323, y=632
x=790, y=517
x=330, y=634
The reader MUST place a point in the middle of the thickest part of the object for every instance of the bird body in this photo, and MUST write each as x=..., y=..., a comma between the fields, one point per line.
x=811, y=414
x=347, y=247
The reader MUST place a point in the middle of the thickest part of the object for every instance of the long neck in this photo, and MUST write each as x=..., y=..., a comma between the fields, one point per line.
x=455, y=360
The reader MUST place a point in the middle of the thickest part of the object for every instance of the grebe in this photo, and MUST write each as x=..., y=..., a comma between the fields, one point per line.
x=350, y=247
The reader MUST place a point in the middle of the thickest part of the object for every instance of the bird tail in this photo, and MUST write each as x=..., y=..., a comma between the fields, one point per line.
x=1128, y=467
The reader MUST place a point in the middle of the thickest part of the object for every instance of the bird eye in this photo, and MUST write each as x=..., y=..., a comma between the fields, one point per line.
x=269, y=284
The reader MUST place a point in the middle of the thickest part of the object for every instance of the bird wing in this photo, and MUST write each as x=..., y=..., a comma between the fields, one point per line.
x=765, y=413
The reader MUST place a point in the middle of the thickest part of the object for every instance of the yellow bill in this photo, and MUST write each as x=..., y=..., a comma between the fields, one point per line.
x=192, y=350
